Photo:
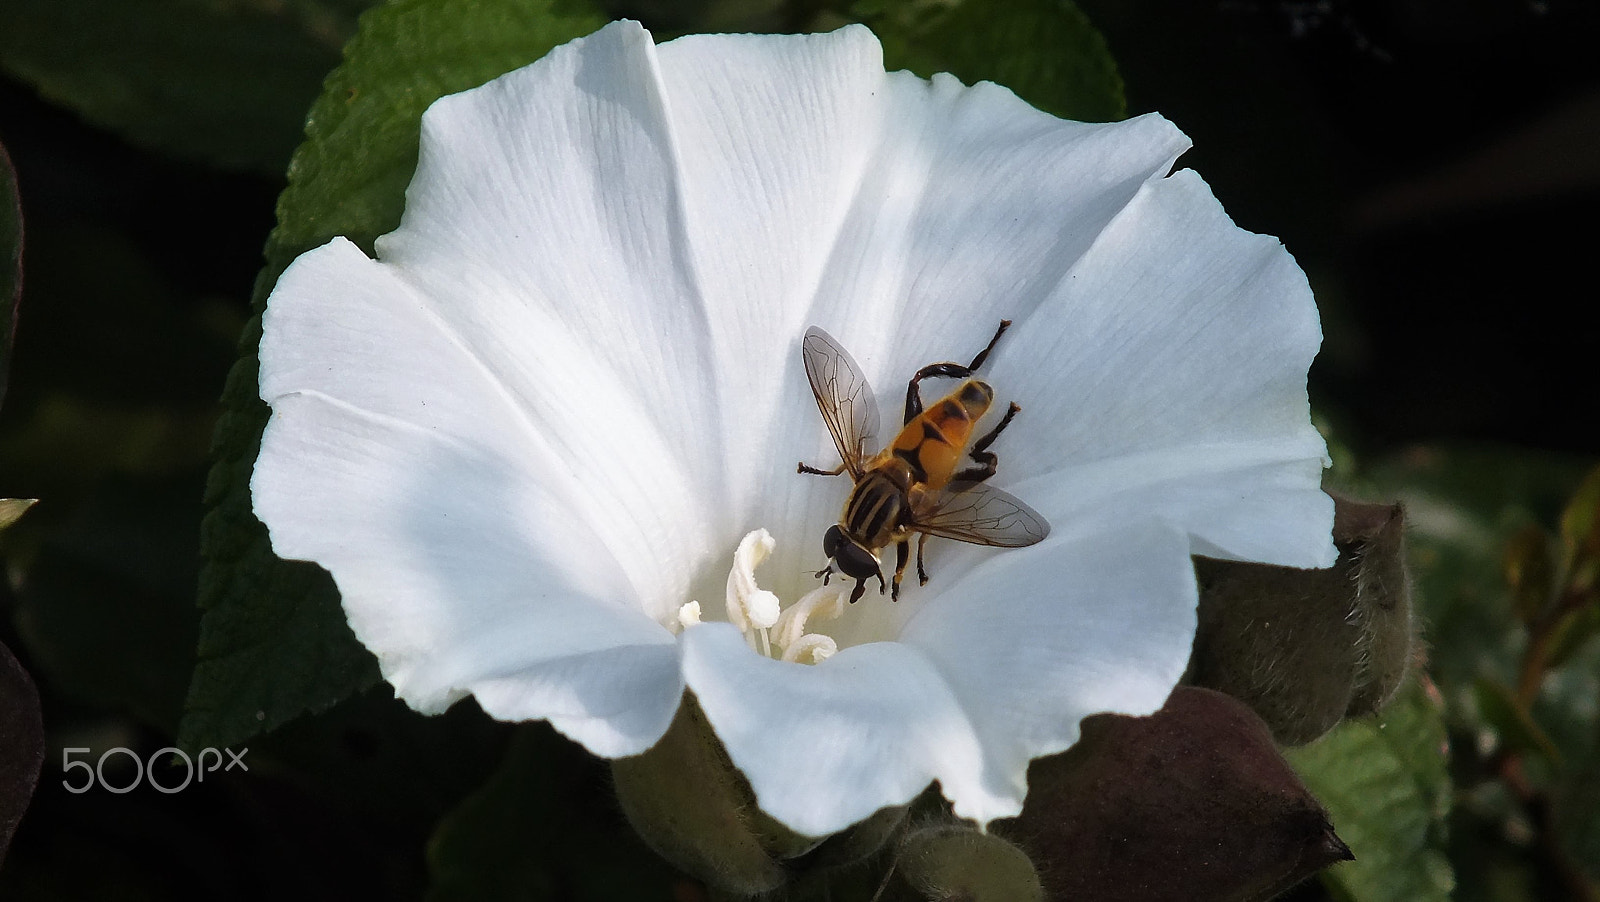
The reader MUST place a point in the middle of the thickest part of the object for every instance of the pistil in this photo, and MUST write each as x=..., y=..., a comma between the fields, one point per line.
x=768, y=628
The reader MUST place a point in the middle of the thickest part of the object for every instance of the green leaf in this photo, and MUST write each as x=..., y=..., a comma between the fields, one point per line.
x=273, y=640
x=225, y=81
x=544, y=827
x=1385, y=785
x=10, y=262
x=1044, y=50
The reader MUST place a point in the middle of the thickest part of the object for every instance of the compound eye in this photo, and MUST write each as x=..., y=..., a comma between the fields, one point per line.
x=856, y=562
x=831, y=540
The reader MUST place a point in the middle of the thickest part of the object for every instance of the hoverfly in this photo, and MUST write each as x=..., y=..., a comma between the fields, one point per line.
x=913, y=485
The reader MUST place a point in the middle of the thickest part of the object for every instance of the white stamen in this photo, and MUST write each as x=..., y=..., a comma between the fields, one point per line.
x=811, y=649
x=689, y=615
x=757, y=612
x=749, y=605
x=823, y=603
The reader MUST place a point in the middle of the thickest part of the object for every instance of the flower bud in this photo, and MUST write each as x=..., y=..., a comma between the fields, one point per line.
x=955, y=861
x=689, y=803
x=855, y=843
x=22, y=749
x=1383, y=611
x=1306, y=648
x=1192, y=803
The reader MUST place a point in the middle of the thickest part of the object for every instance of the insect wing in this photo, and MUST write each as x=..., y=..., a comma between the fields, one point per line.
x=983, y=515
x=842, y=395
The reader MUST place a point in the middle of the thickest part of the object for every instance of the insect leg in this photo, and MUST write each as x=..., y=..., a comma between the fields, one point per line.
x=858, y=591
x=980, y=450
x=950, y=370
x=902, y=555
x=984, y=354
x=803, y=467
x=922, y=542
x=824, y=573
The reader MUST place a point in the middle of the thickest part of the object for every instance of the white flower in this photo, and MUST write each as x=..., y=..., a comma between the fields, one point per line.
x=540, y=423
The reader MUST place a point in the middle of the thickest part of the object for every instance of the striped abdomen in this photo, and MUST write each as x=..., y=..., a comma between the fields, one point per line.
x=931, y=445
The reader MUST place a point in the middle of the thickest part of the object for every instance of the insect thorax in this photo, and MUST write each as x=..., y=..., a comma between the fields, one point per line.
x=877, y=508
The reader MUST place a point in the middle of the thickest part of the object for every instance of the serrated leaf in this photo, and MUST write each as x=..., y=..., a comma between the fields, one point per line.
x=224, y=81
x=1045, y=50
x=544, y=827
x=10, y=262
x=1385, y=784
x=273, y=641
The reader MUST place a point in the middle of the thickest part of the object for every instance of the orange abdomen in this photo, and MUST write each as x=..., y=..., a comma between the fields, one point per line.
x=932, y=443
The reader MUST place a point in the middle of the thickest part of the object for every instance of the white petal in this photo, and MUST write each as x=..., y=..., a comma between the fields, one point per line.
x=1032, y=641
x=997, y=667
x=825, y=745
x=972, y=207
x=773, y=134
x=358, y=331
x=1166, y=374
x=527, y=437
x=544, y=230
x=464, y=576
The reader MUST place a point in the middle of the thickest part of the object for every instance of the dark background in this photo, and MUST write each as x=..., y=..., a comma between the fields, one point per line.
x=1433, y=165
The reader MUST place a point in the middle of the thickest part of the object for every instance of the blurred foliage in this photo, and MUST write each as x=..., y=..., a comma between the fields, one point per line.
x=223, y=81
x=1511, y=609
x=10, y=263
x=1440, y=205
x=501, y=843
x=1045, y=50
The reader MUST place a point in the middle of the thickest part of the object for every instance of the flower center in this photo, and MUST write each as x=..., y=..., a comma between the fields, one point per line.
x=768, y=627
